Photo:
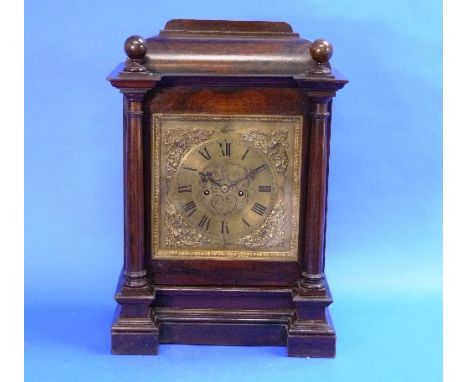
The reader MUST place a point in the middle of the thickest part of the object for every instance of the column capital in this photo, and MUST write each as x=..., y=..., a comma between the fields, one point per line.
x=319, y=110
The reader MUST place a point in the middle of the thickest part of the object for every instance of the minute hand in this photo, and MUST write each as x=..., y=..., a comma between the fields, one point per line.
x=250, y=174
x=257, y=170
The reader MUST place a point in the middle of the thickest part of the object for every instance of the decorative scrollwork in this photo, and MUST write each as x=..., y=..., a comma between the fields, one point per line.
x=270, y=234
x=178, y=232
x=274, y=144
x=179, y=142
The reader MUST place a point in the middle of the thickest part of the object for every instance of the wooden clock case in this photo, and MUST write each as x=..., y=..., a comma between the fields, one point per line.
x=228, y=68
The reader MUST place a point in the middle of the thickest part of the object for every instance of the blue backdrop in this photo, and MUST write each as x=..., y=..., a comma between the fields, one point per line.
x=384, y=227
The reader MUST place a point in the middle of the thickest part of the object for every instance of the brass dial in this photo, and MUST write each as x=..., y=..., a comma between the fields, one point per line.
x=224, y=188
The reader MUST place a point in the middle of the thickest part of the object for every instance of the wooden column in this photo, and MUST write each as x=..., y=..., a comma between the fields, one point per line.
x=134, y=330
x=134, y=268
x=313, y=276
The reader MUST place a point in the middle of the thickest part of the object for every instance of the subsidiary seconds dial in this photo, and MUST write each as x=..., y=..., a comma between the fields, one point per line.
x=224, y=189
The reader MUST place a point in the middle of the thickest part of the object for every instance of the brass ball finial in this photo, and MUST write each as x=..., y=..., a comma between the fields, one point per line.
x=321, y=51
x=136, y=48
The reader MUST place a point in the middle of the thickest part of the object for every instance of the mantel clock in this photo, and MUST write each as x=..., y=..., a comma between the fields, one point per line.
x=226, y=144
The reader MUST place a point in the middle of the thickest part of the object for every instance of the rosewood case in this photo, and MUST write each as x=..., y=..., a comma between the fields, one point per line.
x=225, y=68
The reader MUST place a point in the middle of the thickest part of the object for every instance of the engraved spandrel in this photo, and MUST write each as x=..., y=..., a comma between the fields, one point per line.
x=178, y=232
x=271, y=233
x=274, y=144
x=179, y=142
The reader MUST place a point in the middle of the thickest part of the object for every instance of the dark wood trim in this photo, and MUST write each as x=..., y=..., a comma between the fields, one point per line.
x=314, y=248
x=134, y=330
x=219, y=273
x=132, y=81
x=135, y=272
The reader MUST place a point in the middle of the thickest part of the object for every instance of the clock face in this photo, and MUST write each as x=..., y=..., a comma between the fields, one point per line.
x=225, y=188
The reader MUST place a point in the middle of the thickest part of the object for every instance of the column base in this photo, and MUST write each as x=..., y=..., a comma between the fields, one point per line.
x=135, y=336
x=312, y=338
x=134, y=330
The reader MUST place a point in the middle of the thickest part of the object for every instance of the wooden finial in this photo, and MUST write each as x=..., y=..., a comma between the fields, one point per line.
x=136, y=48
x=321, y=51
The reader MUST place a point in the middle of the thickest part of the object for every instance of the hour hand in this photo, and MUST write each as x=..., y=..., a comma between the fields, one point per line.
x=203, y=177
x=209, y=176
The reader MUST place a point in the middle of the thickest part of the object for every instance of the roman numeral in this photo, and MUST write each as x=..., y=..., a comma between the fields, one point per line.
x=190, y=168
x=187, y=188
x=204, y=222
x=205, y=154
x=224, y=227
x=245, y=222
x=245, y=154
x=225, y=149
x=189, y=208
x=264, y=188
x=259, y=209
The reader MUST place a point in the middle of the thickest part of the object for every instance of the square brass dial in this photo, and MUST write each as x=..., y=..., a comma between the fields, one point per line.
x=225, y=187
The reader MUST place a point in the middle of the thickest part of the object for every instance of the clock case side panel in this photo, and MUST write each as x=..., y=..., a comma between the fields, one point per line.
x=170, y=98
